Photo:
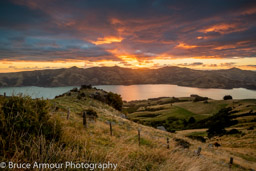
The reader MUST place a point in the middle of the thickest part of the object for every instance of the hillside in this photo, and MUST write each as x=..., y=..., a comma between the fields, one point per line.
x=93, y=143
x=227, y=79
x=176, y=113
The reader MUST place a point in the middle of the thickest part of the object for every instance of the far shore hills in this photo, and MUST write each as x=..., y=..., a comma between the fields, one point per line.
x=225, y=79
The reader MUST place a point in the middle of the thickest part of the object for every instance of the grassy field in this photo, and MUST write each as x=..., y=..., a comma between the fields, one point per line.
x=95, y=144
x=162, y=114
x=160, y=109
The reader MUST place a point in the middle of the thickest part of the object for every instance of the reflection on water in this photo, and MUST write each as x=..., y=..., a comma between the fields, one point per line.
x=137, y=92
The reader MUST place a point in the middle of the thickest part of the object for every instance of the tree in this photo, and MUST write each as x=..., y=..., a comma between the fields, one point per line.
x=219, y=122
x=227, y=97
x=191, y=120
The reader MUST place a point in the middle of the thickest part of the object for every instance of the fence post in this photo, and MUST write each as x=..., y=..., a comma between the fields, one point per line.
x=40, y=146
x=168, y=147
x=139, y=136
x=84, y=119
x=54, y=106
x=199, y=151
x=231, y=162
x=110, y=127
x=68, y=113
x=4, y=94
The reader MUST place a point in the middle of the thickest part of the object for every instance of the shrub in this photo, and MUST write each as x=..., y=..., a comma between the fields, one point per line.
x=115, y=100
x=219, y=122
x=86, y=87
x=233, y=131
x=21, y=120
x=250, y=128
x=80, y=95
x=182, y=143
x=91, y=112
x=191, y=120
x=216, y=144
x=227, y=97
x=198, y=138
x=74, y=90
x=198, y=98
x=216, y=130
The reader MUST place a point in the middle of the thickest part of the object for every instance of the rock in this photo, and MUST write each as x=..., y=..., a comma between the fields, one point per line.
x=123, y=116
x=210, y=145
x=161, y=128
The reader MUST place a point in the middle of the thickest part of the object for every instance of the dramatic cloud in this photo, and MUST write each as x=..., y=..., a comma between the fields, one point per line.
x=126, y=31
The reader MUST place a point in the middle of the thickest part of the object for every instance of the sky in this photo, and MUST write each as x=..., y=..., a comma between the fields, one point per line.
x=198, y=34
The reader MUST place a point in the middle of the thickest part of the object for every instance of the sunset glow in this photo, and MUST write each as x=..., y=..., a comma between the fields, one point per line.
x=107, y=40
x=41, y=34
x=185, y=46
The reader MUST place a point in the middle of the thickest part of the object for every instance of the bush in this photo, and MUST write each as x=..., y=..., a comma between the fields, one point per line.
x=198, y=98
x=23, y=119
x=80, y=95
x=182, y=143
x=191, y=120
x=217, y=130
x=115, y=100
x=91, y=112
x=74, y=90
x=250, y=128
x=219, y=122
x=198, y=138
x=227, y=97
x=86, y=87
x=233, y=131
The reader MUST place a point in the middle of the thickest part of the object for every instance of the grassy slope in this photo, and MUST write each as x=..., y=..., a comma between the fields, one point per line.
x=94, y=143
x=172, y=111
x=201, y=108
x=241, y=147
x=155, y=110
x=122, y=148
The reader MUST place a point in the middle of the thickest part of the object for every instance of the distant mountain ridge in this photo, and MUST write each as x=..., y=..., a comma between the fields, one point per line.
x=226, y=79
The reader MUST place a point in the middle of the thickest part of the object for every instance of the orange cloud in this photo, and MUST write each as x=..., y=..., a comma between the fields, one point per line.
x=225, y=47
x=107, y=40
x=185, y=46
x=116, y=21
x=232, y=46
x=224, y=28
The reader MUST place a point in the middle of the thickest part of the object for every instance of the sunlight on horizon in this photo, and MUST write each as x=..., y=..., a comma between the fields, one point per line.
x=131, y=62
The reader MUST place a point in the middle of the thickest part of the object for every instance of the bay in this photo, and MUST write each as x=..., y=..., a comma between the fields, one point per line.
x=136, y=92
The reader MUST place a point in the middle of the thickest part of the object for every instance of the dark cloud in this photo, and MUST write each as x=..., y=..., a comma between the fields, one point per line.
x=191, y=64
x=97, y=30
x=16, y=16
